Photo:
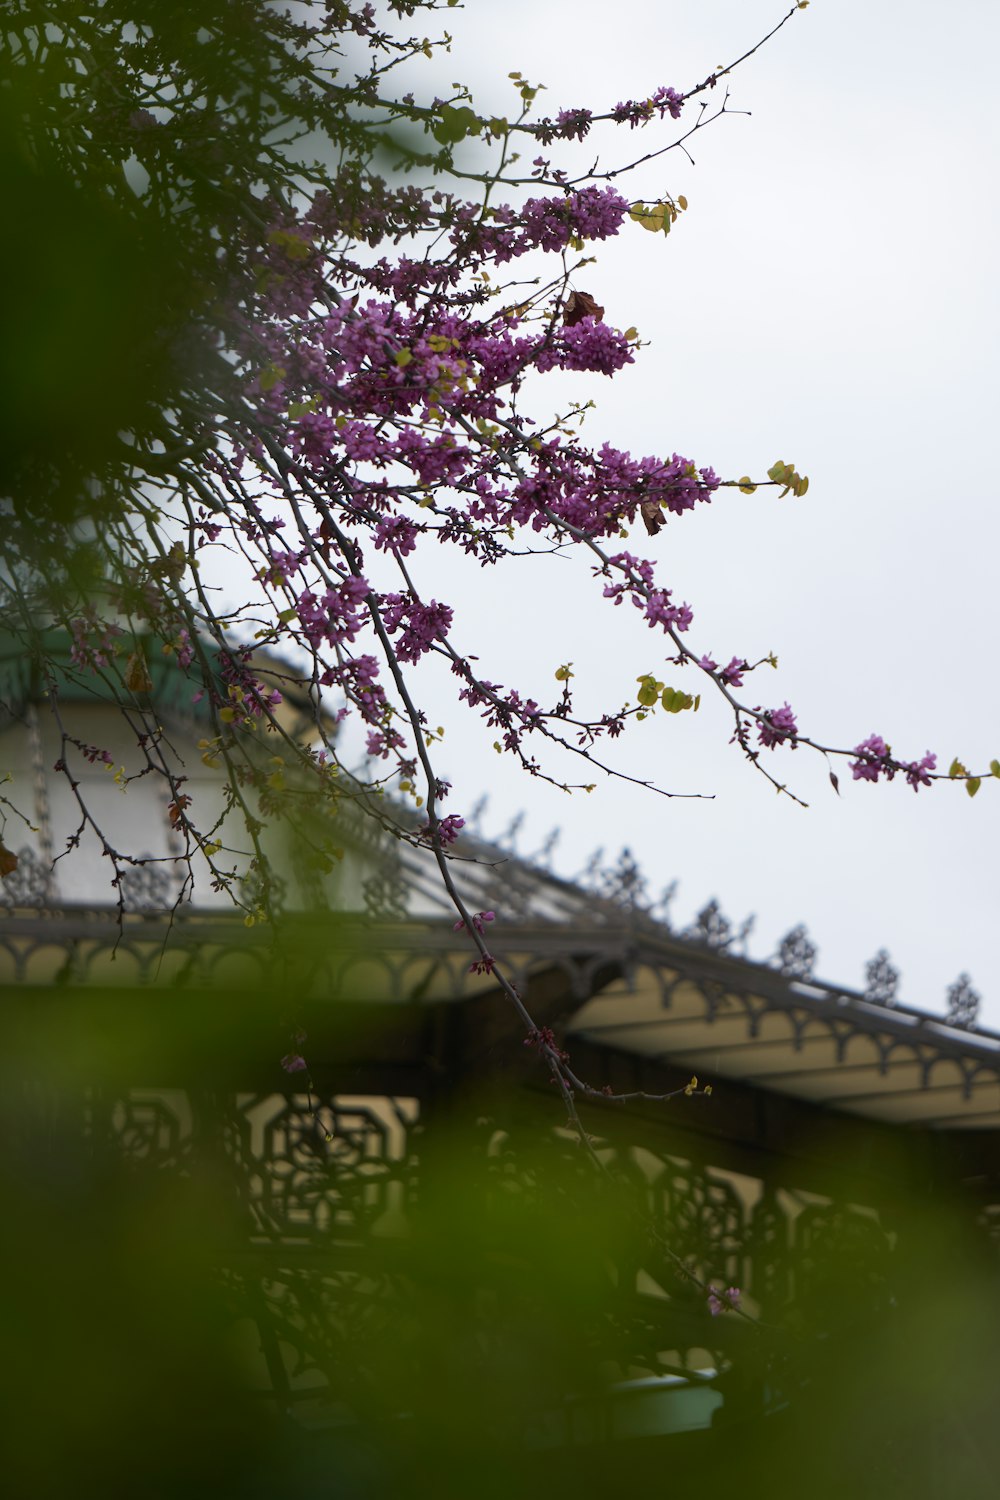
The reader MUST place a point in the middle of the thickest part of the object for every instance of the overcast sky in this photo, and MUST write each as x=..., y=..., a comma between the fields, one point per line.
x=830, y=298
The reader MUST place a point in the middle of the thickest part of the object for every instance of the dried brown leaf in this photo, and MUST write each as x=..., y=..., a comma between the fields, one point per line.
x=580, y=305
x=137, y=678
x=652, y=515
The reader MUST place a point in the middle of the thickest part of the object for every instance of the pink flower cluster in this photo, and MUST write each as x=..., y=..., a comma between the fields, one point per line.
x=478, y=919
x=726, y=1299
x=418, y=625
x=633, y=112
x=777, y=726
x=875, y=761
x=730, y=675
x=445, y=831
x=660, y=611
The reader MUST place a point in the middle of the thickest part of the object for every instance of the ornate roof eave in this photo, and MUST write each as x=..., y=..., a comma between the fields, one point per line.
x=631, y=988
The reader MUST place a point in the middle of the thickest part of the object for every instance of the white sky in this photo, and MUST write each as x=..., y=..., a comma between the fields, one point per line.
x=829, y=299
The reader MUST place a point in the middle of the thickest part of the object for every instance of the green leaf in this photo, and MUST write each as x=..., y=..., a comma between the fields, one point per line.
x=403, y=357
x=675, y=702
x=995, y=767
x=972, y=785
x=295, y=246
x=956, y=768
x=455, y=124
x=270, y=376
x=298, y=409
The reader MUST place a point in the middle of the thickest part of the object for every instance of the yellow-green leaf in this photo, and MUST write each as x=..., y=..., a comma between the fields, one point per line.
x=298, y=409
x=270, y=376
x=649, y=218
x=972, y=785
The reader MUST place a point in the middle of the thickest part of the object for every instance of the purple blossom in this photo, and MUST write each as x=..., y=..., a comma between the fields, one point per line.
x=573, y=124
x=419, y=625
x=337, y=616
x=294, y=1062
x=633, y=112
x=660, y=611
x=732, y=675
x=873, y=760
x=918, y=771
x=396, y=534
x=777, y=726
x=587, y=345
x=381, y=743
x=591, y=213
x=478, y=919
x=184, y=649
x=667, y=102
x=446, y=830
x=97, y=652
x=727, y=1300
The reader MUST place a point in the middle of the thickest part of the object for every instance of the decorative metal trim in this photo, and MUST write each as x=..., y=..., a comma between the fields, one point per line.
x=30, y=884
x=796, y=956
x=963, y=1003
x=713, y=929
x=148, y=886
x=881, y=980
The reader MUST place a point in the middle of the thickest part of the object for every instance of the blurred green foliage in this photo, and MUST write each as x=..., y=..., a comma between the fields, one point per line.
x=139, y=172
x=486, y=1351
